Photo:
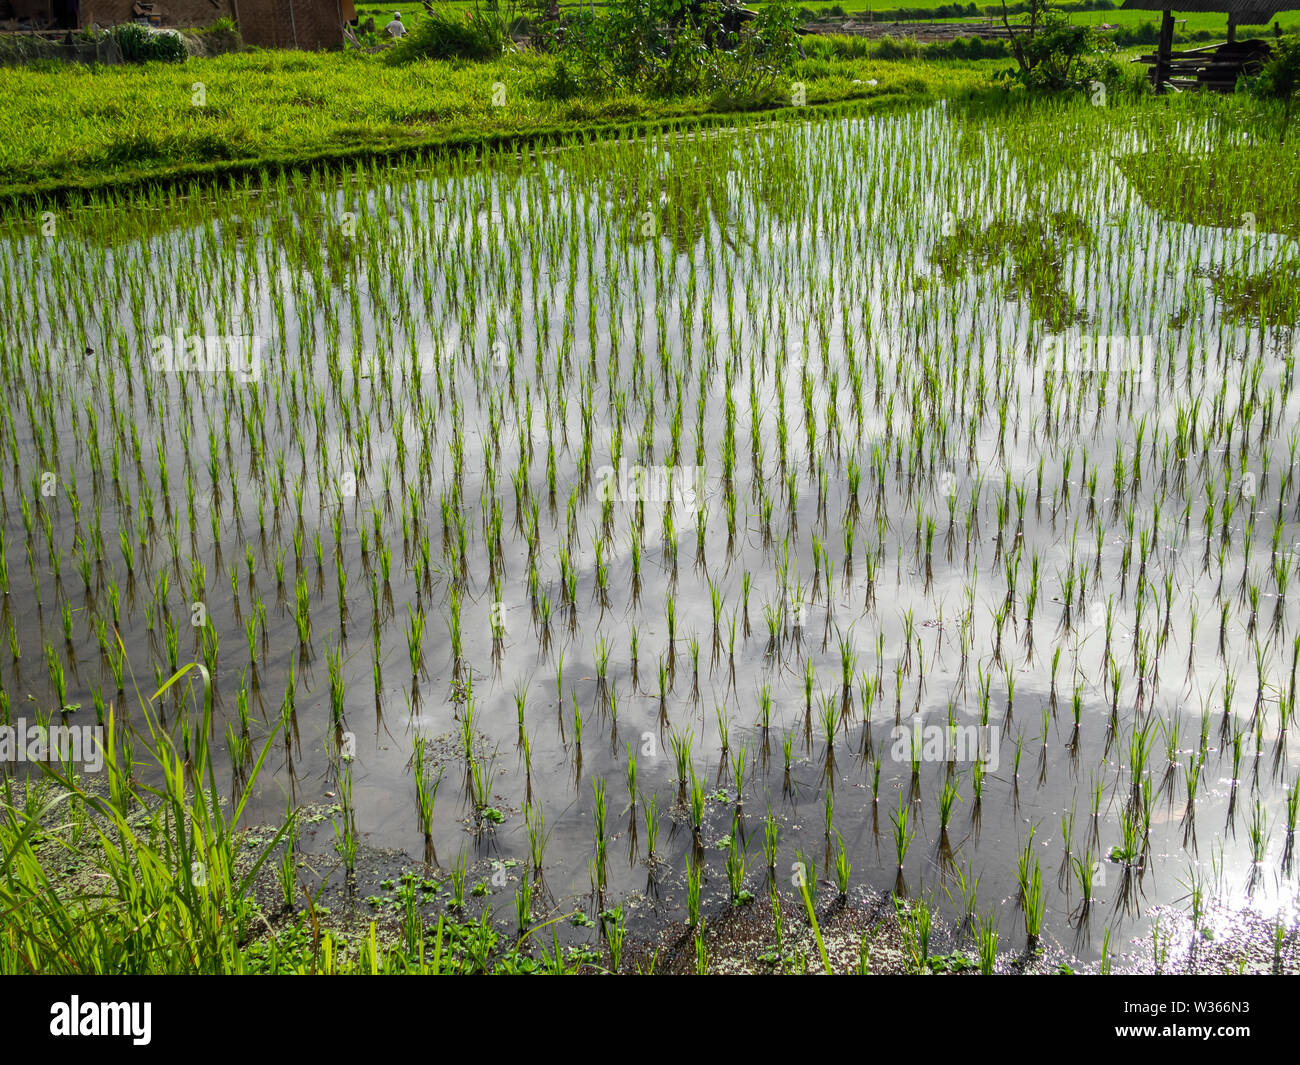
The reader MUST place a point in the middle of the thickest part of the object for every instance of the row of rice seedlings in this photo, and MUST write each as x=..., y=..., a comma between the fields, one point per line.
x=894, y=470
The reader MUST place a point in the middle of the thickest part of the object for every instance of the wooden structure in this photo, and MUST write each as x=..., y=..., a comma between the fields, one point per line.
x=302, y=24
x=1216, y=67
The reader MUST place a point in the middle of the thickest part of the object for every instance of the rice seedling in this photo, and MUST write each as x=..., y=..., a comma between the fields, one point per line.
x=843, y=870
x=482, y=775
x=1195, y=885
x=345, y=828
x=915, y=921
x=947, y=798
x=697, y=803
x=806, y=892
x=615, y=932
x=904, y=832
x=602, y=839
x=987, y=944
x=426, y=790
x=286, y=872
x=739, y=759
x=458, y=876
x=681, y=748
x=829, y=718
x=694, y=877
x=631, y=777
x=651, y=808
x=535, y=824
x=1292, y=807
x=701, y=953
x=1258, y=832
x=736, y=865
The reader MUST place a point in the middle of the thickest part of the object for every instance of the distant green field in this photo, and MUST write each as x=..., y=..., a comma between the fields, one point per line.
x=1187, y=22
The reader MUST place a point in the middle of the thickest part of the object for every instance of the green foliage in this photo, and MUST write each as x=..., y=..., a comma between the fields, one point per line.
x=1051, y=52
x=1280, y=78
x=1037, y=250
x=1142, y=33
x=142, y=44
x=125, y=124
x=891, y=48
x=748, y=75
x=658, y=48
x=448, y=34
x=170, y=895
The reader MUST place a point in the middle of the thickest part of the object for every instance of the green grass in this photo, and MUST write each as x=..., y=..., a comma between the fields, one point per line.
x=170, y=895
x=121, y=125
x=100, y=126
x=875, y=10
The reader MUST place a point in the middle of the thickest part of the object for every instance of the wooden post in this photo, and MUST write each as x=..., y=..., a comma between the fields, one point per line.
x=1232, y=27
x=1162, y=69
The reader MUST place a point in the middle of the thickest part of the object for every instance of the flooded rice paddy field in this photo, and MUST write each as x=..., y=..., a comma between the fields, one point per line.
x=889, y=503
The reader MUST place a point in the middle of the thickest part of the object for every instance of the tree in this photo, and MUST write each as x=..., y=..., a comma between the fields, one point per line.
x=1049, y=50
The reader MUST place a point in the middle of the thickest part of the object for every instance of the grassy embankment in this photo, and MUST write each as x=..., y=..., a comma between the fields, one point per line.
x=89, y=129
x=106, y=127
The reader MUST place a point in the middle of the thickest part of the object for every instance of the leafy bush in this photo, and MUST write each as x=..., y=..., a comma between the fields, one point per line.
x=835, y=46
x=1143, y=33
x=889, y=47
x=142, y=44
x=452, y=35
x=1280, y=78
x=663, y=48
x=767, y=48
x=967, y=48
x=1051, y=52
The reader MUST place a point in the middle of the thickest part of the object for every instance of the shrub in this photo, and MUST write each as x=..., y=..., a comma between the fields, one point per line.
x=1280, y=78
x=968, y=48
x=142, y=44
x=889, y=47
x=453, y=35
x=767, y=48
x=1051, y=52
x=1143, y=33
x=661, y=48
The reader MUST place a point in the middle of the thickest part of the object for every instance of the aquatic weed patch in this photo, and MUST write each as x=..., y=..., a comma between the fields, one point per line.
x=1034, y=252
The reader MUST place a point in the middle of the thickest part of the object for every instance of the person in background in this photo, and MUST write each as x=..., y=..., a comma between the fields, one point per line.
x=395, y=28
